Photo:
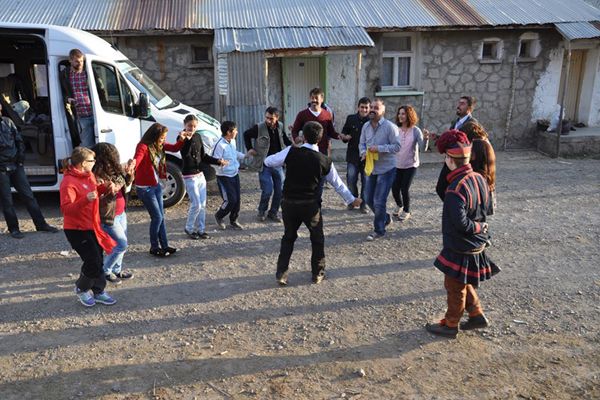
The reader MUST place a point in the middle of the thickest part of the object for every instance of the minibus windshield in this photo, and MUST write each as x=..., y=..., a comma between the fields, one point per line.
x=145, y=85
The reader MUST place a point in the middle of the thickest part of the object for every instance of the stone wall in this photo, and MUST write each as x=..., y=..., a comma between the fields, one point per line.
x=168, y=61
x=449, y=67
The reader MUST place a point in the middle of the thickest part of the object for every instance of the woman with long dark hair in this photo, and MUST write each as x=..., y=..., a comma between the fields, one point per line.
x=112, y=206
x=483, y=161
x=150, y=168
x=407, y=159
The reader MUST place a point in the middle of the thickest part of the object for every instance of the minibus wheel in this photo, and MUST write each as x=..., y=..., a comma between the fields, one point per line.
x=174, y=188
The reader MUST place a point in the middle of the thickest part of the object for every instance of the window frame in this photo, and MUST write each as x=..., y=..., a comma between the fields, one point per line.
x=499, y=48
x=200, y=64
x=396, y=55
x=534, y=50
x=119, y=80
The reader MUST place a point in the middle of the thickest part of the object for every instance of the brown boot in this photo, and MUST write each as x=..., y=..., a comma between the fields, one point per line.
x=442, y=329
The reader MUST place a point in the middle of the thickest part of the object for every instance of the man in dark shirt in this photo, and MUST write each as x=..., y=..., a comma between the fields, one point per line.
x=12, y=173
x=351, y=135
x=262, y=140
x=306, y=168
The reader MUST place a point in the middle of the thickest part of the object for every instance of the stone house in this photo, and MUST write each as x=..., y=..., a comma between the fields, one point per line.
x=232, y=59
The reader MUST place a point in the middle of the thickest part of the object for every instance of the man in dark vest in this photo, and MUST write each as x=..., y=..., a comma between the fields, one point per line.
x=262, y=140
x=305, y=168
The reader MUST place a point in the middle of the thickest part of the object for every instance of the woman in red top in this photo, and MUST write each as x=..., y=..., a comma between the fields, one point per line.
x=79, y=194
x=151, y=168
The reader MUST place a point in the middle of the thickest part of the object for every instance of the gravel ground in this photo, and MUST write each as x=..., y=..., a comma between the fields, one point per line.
x=211, y=323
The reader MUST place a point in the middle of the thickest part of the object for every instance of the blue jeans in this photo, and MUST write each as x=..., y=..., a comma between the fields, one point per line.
x=352, y=173
x=18, y=179
x=230, y=192
x=86, y=131
x=271, y=182
x=152, y=197
x=196, y=190
x=377, y=190
x=113, y=262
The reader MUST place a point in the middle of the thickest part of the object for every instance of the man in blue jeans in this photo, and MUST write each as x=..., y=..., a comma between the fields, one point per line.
x=263, y=140
x=381, y=138
x=12, y=173
x=355, y=166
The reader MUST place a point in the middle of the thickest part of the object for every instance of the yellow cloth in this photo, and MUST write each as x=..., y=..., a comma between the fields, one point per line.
x=370, y=162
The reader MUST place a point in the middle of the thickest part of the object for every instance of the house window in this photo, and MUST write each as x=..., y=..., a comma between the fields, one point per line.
x=201, y=55
x=398, y=61
x=491, y=50
x=529, y=47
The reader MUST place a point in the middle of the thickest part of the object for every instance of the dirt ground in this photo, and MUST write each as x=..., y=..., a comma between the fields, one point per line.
x=211, y=323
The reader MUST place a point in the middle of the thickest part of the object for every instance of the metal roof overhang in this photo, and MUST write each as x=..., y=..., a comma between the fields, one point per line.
x=228, y=40
x=579, y=30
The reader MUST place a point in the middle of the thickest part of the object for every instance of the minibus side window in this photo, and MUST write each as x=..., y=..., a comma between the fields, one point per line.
x=108, y=88
x=128, y=99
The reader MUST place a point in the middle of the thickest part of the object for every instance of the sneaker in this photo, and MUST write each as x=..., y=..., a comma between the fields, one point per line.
x=236, y=225
x=404, y=216
x=113, y=278
x=261, y=217
x=85, y=298
x=220, y=223
x=396, y=211
x=104, y=298
x=364, y=210
x=374, y=236
x=169, y=250
x=274, y=218
x=191, y=235
x=477, y=322
x=124, y=275
x=17, y=234
x=349, y=207
x=282, y=280
x=203, y=235
x=318, y=278
x=47, y=228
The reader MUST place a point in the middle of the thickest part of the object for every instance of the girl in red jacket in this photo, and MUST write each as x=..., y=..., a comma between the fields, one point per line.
x=79, y=194
x=151, y=167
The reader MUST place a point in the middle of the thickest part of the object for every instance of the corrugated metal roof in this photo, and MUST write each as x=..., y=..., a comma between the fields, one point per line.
x=579, y=30
x=247, y=40
x=180, y=15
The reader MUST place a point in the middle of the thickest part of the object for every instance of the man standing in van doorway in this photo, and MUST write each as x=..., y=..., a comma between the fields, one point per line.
x=12, y=173
x=75, y=85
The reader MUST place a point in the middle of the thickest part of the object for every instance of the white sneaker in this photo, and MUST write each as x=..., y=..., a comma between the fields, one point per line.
x=404, y=216
x=373, y=236
x=396, y=211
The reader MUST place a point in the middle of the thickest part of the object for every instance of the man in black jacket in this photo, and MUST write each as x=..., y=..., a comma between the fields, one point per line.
x=351, y=134
x=306, y=167
x=12, y=173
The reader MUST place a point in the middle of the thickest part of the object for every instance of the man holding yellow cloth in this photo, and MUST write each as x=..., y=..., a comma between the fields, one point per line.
x=379, y=140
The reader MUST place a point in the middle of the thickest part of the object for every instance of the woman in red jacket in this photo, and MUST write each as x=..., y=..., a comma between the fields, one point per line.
x=151, y=168
x=79, y=194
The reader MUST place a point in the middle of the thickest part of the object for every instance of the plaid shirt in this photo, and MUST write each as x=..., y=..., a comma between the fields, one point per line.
x=81, y=93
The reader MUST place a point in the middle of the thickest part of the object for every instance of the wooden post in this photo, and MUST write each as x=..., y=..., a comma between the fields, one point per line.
x=562, y=100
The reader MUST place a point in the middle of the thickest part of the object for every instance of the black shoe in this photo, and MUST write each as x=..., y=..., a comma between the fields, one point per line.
x=169, y=250
x=158, y=252
x=192, y=235
x=442, y=330
x=47, y=228
x=477, y=322
x=124, y=275
x=318, y=278
x=113, y=278
x=17, y=234
x=203, y=235
x=274, y=218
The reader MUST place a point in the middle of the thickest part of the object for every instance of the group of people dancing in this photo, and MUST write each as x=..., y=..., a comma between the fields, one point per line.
x=382, y=154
